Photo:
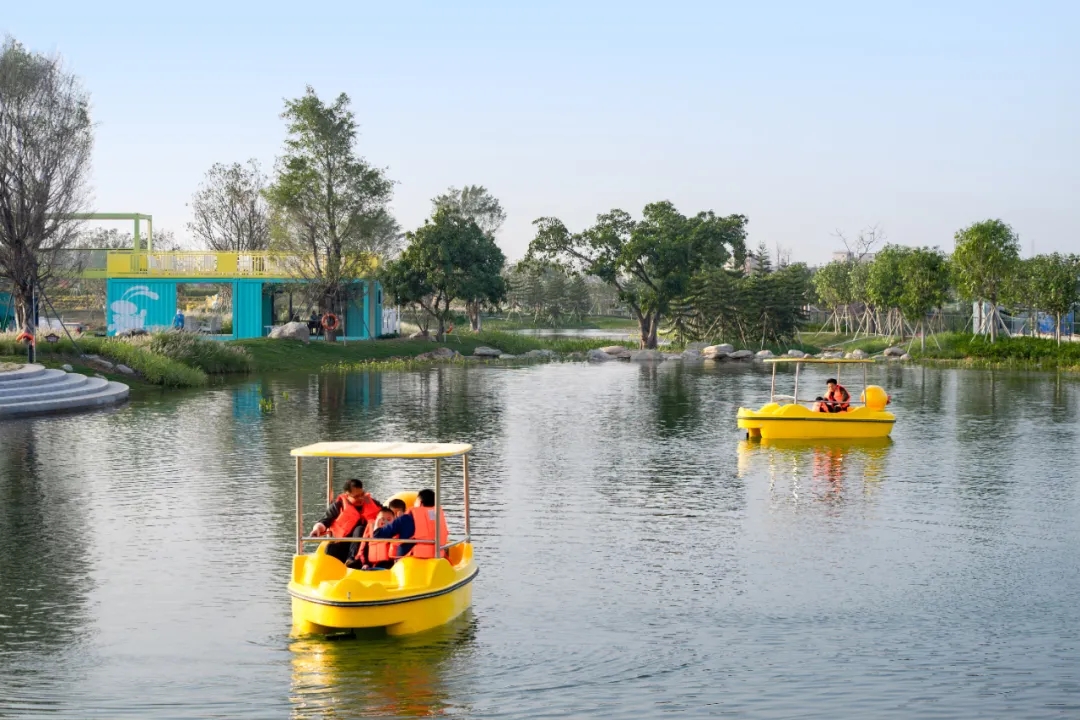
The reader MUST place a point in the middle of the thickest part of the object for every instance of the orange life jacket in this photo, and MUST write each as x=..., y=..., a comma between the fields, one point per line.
x=424, y=522
x=347, y=518
x=378, y=552
x=839, y=397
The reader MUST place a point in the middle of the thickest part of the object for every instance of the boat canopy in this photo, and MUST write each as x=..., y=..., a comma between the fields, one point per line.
x=819, y=361
x=382, y=450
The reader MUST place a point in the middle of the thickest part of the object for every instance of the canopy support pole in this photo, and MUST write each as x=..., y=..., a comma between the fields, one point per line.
x=329, y=480
x=465, y=475
x=299, y=510
x=772, y=388
x=438, y=507
x=795, y=398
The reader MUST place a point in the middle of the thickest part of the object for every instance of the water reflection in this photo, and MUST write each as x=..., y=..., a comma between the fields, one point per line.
x=377, y=676
x=831, y=467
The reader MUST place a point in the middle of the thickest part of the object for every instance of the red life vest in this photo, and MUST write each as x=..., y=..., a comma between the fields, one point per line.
x=424, y=523
x=350, y=515
x=839, y=397
x=378, y=552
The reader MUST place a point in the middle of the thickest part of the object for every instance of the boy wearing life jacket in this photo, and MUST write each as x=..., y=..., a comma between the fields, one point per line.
x=418, y=523
x=347, y=517
x=837, y=399
x=376, y=556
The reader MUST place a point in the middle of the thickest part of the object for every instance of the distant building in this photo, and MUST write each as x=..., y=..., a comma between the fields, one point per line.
x=847, y=256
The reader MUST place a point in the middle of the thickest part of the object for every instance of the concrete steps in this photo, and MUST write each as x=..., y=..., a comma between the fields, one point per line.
x=34, y=390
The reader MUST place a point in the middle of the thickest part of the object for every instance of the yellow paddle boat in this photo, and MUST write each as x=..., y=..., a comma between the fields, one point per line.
x=414, y=595
x=786, y=417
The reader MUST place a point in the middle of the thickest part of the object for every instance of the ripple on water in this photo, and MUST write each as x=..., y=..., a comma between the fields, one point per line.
x=637, y=558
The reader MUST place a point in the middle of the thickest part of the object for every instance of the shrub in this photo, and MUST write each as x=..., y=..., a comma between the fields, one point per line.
x=210, y=356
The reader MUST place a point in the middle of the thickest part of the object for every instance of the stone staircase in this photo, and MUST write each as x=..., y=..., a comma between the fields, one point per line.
x=33, y=390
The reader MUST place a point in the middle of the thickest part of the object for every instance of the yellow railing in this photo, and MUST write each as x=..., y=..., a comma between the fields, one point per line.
x=191, y=264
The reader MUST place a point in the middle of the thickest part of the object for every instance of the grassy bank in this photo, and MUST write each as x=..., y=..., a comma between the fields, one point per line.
x=167, y=359
x=136, y=383
x=966, y=350
x=591, y=322
x=291, y=356
x=1023, y=353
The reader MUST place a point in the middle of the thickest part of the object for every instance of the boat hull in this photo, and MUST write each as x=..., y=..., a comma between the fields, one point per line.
x=796, y=422
x=415, y=595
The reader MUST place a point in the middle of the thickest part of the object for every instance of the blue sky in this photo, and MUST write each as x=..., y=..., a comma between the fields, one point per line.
x=920, y=117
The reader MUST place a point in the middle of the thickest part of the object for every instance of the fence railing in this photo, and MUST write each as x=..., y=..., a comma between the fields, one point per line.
x=188, y=264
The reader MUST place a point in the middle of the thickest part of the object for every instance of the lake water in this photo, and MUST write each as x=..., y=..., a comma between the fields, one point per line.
x=638, y=558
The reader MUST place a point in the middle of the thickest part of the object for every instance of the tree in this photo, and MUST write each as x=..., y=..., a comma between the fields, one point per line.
x=1056, y=280
x=984, y=259
x=833, y=286
x=449, y=258
x=924, y=274
x=578, y=299
x=45, y=145
x=885, y=286
x=229, y=209
x=649, y=261
x=328, y=204
x=477, y=204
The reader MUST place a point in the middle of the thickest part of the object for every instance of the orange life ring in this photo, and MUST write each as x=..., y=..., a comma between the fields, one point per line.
x=330, y=321
x=26, y=337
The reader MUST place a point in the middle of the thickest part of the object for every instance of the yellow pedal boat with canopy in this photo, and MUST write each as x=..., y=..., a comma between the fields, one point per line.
x=416, y=594
x=785, y=417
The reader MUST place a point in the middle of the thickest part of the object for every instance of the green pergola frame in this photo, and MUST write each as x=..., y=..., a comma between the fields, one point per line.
x=136, y=217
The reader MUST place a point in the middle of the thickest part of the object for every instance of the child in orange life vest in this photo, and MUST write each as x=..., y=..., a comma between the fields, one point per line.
x=836, y=398
x=375, y=556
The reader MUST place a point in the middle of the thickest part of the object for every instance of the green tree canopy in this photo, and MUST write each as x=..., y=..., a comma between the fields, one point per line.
x=833, y=284
x=983, y=262
x=448, y=259
x=1056, y=285
x=649, y=261
x=475, y=203
x=329, y=205
x=885, y=282
x=924, y=276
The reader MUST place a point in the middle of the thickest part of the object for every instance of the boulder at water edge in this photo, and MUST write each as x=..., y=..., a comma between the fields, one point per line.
x=858, y=354
x=619, y=351
x=485, y=351
x=646, y=356
x=760, y=355
x=905, y=357
x=291, y=331
x=439, y=353
x=741, y=354
x=796, y=353
x=507, y=356
x=600, y=356
x=725, y=348
x=715, y=352
x=893, y=352
x=547, y=354
x=691, y=355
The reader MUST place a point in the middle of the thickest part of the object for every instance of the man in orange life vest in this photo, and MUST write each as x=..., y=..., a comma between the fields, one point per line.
x=836, y=399
x=347, y=516
x=417, y=524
